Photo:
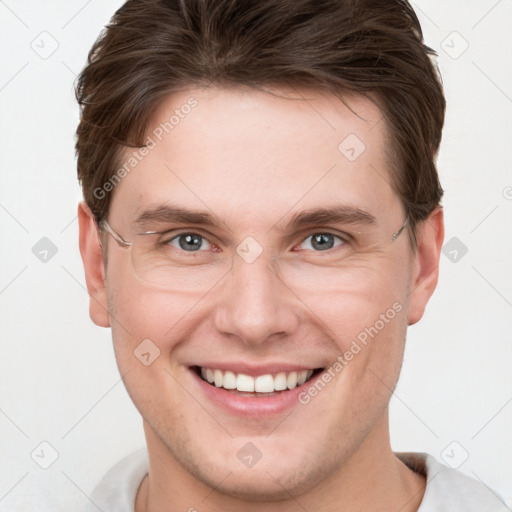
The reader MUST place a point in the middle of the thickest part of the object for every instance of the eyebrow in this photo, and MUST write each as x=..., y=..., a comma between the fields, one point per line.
x=339, y=214
x=166, y=213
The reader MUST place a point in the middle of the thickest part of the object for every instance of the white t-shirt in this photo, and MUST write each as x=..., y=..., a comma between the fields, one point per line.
x=447, y=490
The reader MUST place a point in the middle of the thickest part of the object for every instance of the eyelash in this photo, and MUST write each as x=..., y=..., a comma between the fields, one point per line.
x=343, y=239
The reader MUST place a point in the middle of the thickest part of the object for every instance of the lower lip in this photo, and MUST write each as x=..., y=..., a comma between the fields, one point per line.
x=253, y=406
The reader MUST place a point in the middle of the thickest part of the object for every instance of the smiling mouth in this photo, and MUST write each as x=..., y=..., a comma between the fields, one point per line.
x=258, y=386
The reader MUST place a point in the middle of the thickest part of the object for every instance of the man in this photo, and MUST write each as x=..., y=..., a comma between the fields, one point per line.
x=261, y=223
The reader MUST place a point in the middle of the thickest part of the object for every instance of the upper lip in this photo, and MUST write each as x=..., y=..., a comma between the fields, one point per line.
x=255, y=370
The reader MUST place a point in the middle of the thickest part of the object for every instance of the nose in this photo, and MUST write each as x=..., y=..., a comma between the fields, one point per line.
x=254, y=304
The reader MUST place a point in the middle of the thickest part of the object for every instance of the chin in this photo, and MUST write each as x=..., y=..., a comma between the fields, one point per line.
x=271, y=479
x=264, y=485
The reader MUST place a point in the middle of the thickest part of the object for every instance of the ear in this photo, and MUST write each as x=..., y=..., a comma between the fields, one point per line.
x=430, y=236
x=90, y=249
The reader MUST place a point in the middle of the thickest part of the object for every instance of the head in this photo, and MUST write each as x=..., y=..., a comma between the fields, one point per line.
x=282, y=154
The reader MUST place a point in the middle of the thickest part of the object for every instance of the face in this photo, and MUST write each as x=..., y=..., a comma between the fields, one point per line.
x=289, y=274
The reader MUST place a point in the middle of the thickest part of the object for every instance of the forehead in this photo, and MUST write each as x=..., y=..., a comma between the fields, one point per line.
x=244, y=153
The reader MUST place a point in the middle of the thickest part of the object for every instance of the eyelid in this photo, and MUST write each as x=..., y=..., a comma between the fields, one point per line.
x=174, y=232
x=342, y=240
x=168, y=236
x=345, y=237
x=177, y=235
x=215, y=240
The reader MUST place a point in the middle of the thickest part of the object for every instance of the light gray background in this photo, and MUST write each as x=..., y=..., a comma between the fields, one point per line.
x=58, y=378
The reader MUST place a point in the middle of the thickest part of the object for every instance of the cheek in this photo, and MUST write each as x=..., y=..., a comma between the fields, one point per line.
x=370, y=342
x=141, y=324
x=139, y=311
x=366, y=318
x=350, y=301
x=143, y=337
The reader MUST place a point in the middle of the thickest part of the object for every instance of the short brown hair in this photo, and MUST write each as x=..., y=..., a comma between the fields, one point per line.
x=154, y=47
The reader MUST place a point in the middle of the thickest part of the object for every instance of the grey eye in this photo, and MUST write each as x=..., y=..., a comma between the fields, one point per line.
x=322, y=241
x=189, y=242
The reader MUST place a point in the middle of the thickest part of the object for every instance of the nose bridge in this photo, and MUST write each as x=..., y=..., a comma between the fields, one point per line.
x=254, y=303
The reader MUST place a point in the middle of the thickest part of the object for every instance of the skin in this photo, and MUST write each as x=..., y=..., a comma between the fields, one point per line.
x=254, y=158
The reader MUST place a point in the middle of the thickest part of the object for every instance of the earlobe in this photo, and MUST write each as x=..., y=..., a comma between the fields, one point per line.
x=430, y=236
x=90, y=249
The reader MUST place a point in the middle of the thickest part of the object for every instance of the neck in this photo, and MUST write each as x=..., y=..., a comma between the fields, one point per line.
x=371, y=479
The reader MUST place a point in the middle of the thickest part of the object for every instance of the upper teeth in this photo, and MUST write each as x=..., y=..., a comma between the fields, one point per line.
x=262, y=384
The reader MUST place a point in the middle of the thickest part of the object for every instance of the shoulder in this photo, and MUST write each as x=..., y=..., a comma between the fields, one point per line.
x=118, y=488
x=450, y=490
